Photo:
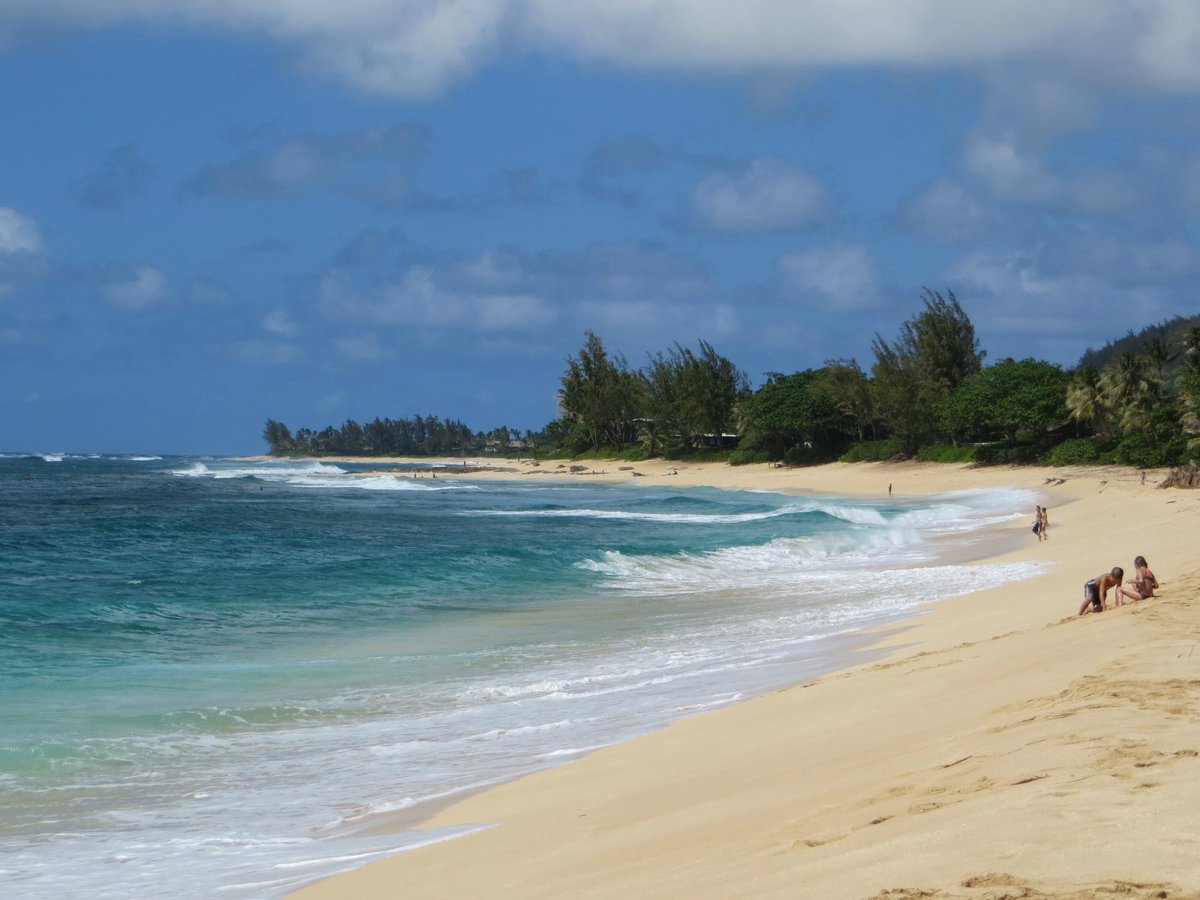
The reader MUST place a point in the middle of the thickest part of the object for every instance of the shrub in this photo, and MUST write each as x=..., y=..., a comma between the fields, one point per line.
x=946, y=453
x=874, y=451
x=804, y=456
x=1006, y=454
x=744, y=457
x=1142, y=451
x=1075, y=452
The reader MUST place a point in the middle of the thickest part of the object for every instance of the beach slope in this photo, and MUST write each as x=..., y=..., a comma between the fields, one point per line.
x=1001, y=748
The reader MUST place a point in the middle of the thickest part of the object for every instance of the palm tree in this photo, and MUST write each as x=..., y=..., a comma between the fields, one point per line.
x=1086, y=399
x=1159, y=356
x=1191, y=343
x=1130, y=389
x=651, y=432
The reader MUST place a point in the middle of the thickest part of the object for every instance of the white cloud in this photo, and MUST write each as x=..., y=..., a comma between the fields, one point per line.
x=946, y=211
x=19, y=233
x=1009, y=170
x=417, y=48
x=278, y=322
x=841, y=277
x=1168, y=50
x=658, y=322
x=767, y=195
x=420, y=298
x=145, y=288
x=1051, y=301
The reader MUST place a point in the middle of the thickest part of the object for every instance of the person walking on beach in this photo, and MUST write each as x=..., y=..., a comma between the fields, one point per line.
x=1037, y=523
x=1143, y=582
x=1095, y=591
x=1045, y=520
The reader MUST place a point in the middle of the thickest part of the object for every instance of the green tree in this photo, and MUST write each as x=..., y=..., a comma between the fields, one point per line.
x=1130, y=390
x=602, y=395
x=935, y=352
x=1191, y=343
x=946, y=349
x=895, y=393
x=278, y=437
x=793, y=411
x=1086, y=400
x=1012, y=397
x=689, y=393
x=848, y=388
x=1189, y=406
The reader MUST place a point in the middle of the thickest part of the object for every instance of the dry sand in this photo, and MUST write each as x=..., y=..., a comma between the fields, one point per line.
x=1003, y=747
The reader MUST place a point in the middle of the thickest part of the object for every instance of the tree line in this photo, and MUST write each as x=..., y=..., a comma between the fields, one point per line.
x=927, y=393
x=418, y=436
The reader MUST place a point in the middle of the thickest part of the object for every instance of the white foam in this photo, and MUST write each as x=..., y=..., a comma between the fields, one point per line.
x=267, y=471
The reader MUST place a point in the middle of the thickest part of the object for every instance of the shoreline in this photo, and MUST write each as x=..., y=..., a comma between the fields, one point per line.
x=653, y=815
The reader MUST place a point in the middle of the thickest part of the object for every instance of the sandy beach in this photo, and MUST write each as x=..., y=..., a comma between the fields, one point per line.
x=1001, y=746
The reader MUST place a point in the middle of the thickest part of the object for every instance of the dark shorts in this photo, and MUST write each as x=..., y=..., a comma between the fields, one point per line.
x=1092, y=592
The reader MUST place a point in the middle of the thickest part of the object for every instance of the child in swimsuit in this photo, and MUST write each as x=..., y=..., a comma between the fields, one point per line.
x=1143, y=582
x=1095, y=591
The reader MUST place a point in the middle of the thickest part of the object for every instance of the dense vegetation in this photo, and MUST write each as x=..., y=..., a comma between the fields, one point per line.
x=928, y=394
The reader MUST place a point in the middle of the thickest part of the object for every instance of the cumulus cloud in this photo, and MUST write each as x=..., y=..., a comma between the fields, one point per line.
x=635, y=289
x=946, y=211
x=767, y=195
x=839, y=277
x=1009, y=170
x=121, y=176
x=19, y=233
x=417, y=48
x=423, y=297
x=146, y=287
x=657, y=321
x=280, y=323
x=1053, y=299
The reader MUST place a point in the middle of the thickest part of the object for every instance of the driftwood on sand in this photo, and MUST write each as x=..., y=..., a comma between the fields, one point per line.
x=1182, y=477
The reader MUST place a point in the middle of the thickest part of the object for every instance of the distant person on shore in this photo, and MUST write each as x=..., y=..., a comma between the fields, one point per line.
x=1045, y=523
x=1095, y=591
x=889, y=489
x=1037, y=523
x=1143, y=582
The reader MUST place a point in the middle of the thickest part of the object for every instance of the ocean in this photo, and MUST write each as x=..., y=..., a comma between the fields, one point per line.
x=216, y=673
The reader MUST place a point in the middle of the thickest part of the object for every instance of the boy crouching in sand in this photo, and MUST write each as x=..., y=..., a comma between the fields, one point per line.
x=1095, y=592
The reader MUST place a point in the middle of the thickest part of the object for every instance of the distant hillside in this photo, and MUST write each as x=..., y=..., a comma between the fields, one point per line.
x=1171, y=331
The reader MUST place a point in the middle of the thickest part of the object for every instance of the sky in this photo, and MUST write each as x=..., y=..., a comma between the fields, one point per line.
x=215, y=212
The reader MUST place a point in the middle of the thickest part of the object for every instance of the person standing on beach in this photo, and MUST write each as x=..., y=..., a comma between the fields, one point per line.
x=1095, y=591
x=1045, y=520
x=1037, y=523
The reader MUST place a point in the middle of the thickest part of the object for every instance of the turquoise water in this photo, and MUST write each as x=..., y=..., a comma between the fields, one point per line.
x=214, y=670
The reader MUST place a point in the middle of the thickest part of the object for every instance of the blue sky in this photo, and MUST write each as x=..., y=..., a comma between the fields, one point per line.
x=217, y=212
